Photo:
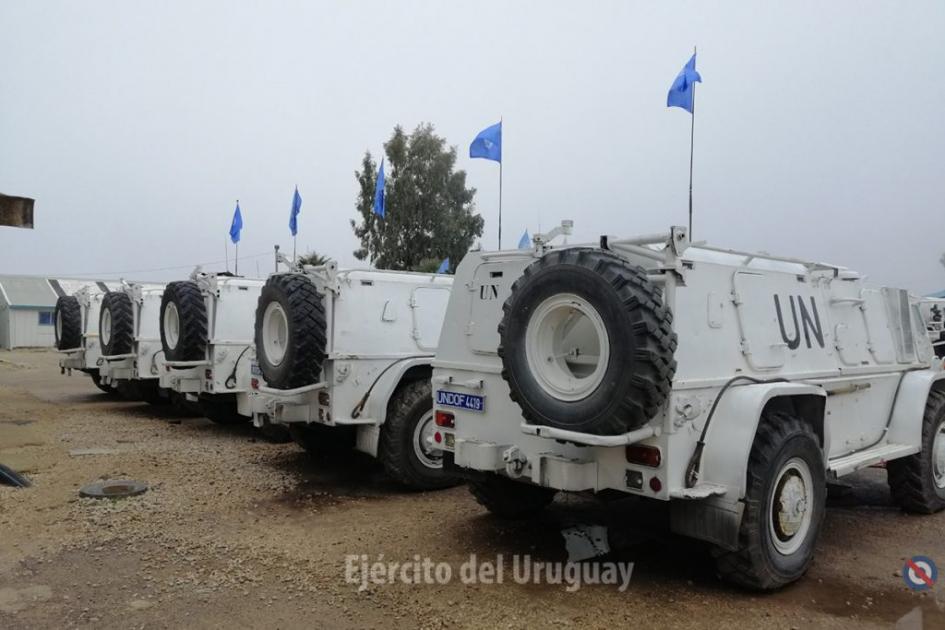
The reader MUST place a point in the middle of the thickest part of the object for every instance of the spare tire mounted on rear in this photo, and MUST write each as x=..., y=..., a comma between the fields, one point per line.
x=183, y=322
x=290, y=331
x=587, y=343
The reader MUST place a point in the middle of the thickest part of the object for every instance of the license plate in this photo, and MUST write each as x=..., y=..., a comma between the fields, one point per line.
x=254, y=369
x=468, y=402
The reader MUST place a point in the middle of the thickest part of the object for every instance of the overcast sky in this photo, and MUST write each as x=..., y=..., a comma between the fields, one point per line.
x=820, y=127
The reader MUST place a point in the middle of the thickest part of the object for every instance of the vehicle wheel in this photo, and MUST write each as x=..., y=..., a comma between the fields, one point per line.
x=68, y=323
x=586, y=343
x=917, y=482
x=320, y=440
x=406, y=448
x=510, y=499
x=183, y=322
x=116, y=324
x=221, y=411
x=784, y=506
x=98, y=383
x=275, y=433
x=151, y=393
x=290, y=331
x=183, y=407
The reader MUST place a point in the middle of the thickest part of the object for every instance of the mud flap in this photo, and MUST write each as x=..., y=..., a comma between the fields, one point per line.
x=713, y=520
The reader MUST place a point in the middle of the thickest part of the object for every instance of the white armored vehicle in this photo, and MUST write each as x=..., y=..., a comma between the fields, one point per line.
x=206, y=325
x=130, y=341
x=76, y=328
x=733, y=385
x=346, y=360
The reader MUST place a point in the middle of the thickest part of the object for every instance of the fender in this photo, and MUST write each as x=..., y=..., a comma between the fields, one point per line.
x=732, y=432
x=376, y=405
x=909, y=409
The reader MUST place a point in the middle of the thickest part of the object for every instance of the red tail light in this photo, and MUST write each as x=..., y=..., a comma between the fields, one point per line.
x=254, y=383
x=445, y=419
x=644, y=455
x=208, y=374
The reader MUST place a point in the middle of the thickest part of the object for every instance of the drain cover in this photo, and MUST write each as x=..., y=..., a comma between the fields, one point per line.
x=113, y=489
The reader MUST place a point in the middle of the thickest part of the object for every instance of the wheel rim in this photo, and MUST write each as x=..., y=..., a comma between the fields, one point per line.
x=171, y=325
x=106, y=327
x=938, y=456
x=275, y=333
x=424, y=443
x=791, y=506
x=567, y=347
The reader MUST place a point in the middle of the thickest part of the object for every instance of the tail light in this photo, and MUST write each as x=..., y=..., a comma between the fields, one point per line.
x=254, y=383
x=445, y=419
x=208, y=374
x=644, y=455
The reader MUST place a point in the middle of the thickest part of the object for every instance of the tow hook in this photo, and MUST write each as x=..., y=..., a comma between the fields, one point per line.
x=515, y=462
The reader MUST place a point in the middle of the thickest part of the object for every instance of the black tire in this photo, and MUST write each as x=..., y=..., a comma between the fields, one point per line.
x=510, y=499
x=152, y=393
x=221, y=410
x=275, y=433
x=410, y=404
x=758, y=564
x=187, y=300
x=305, y=334
x=117, y=306
x=97, y=380
x=911, y=479
x=640, y=370
x=320, y=440
x=67, y=319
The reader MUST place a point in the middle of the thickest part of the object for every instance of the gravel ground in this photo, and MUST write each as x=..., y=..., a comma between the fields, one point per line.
x=238, y=532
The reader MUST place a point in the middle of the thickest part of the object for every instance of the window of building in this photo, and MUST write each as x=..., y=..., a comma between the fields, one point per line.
x=45, y=318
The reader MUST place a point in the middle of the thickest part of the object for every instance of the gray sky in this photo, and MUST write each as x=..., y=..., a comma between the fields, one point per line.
x=820, y=129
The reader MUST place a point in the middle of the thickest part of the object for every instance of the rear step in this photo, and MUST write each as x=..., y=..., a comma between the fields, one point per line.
x=874, y=455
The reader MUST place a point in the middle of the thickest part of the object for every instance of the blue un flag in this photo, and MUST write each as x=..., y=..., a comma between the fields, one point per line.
x=237, y=225
x=684, y=86
x=488, y=144
x=294, y=214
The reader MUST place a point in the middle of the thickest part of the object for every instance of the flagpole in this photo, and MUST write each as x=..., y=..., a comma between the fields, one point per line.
x=500, y=191
x=226, y=253
x=692, y=136
x=500, y=205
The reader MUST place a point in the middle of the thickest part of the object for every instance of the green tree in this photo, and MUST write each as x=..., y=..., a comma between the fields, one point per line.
x=428, y=209
x=313, y=258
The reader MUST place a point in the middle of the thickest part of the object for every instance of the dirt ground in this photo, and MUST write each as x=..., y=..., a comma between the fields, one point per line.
x=239, y=532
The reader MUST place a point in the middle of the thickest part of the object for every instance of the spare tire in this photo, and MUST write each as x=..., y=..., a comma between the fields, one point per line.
x=183, y=322
x=290, y=331
x=586, y=343
x=68, y=323
x=116, y=324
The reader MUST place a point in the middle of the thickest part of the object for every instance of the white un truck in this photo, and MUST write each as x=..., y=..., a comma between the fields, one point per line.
x=206, y=326
x=76, y=328
x=346, y=358
x=733, y=385
x=130, y=345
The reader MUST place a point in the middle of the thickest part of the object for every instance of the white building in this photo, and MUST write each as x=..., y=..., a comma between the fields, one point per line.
x=26, y=308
